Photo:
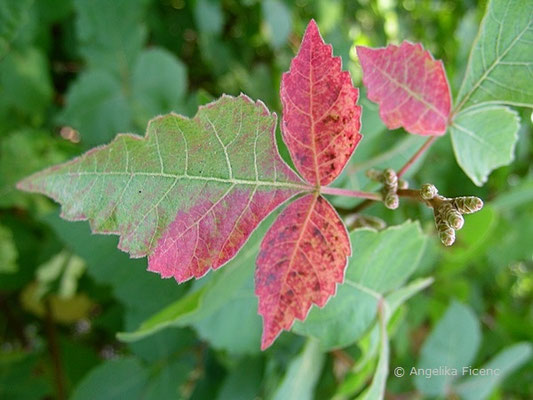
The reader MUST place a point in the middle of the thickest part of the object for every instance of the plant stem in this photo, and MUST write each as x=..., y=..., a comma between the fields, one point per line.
x=350, y=193
x=416, y=156
x=53, y=348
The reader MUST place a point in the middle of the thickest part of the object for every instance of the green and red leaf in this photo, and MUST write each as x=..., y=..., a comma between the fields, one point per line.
x=188, y=194
x=410, y=87
x=302, y=258
x=321, y=121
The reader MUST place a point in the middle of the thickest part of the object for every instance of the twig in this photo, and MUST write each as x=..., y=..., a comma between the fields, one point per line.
x=14, y=322
x=350, y=193
x=53, y=348
x=416, y=156
x=365, y=204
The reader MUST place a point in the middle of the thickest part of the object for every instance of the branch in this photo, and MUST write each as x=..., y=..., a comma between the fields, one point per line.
x=53, y=348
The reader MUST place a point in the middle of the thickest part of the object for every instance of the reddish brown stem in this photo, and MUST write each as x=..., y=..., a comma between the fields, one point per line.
x=53, y=348
x=350, y=193
x=416, y=156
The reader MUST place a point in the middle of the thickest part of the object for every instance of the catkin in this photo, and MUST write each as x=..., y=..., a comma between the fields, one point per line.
x=467, y=204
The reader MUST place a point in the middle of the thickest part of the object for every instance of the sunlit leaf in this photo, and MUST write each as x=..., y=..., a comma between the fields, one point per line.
x=166, y=199
x=500, y=67
x=320, y=119
x=410, y=86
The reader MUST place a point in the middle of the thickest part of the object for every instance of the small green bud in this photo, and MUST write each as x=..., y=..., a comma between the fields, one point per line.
x=374, y=175
x=467, y=204
x=403, y=184
x=391, y=201
x=428, y=191
x=451, y=215
x=390, y=179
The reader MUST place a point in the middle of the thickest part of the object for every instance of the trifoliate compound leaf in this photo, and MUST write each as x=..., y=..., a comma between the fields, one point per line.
x=301, y=261
x=188, y=194
x=320, y=119
x=501, y=62
x=410, y=86
x=484, y=139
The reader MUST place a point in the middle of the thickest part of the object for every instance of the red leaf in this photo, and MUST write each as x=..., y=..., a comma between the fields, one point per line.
x=320, y=119
x=409, y=85
x=302, y=258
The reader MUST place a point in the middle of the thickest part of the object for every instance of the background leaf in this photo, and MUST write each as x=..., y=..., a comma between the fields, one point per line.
x=453, y=344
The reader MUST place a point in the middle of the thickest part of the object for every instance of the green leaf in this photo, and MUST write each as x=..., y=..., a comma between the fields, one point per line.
x=123, y=378
x=96, y=107
x=484, y=139
x=452, y=344
x=376, y=390
x=209, y=17
x=243, y=382
x=479, y=387
x=159, y=84
x=169, y=382
x=18, y=380
x=278, y=21
x=8, y=252
x=500, y=66
x=381, y=262
x=13, y=18
x=22, y=153
x=25, y=87
x=162, y=195
x=302, y=375
x=110, y=33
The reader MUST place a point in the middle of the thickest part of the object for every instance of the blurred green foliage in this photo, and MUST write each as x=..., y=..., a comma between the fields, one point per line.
x=73, y=73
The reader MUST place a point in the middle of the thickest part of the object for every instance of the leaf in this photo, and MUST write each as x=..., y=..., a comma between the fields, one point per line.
x=162, y=195
x=13, y=18
x=320, y=119
x=479, y=387
x=97, y=107
x=452, y=344
x=159, y=84
x=500, y=66
x=302, y=375
x=126, y=376
x=8, y=252
x=376, y=390
x=22, y=153
x=209, y=17
x=110, y=33
x=278, y=21
x=410, y=86
x=302, y=258
x=484, y=139
x=384, y=262
x=26, y=87
x=244, y=381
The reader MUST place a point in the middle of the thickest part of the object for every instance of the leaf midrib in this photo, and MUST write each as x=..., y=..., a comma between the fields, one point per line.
x=232, y=181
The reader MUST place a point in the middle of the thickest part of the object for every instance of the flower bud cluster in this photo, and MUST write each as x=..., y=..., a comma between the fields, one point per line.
x=449, y=212
x=391, y=184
